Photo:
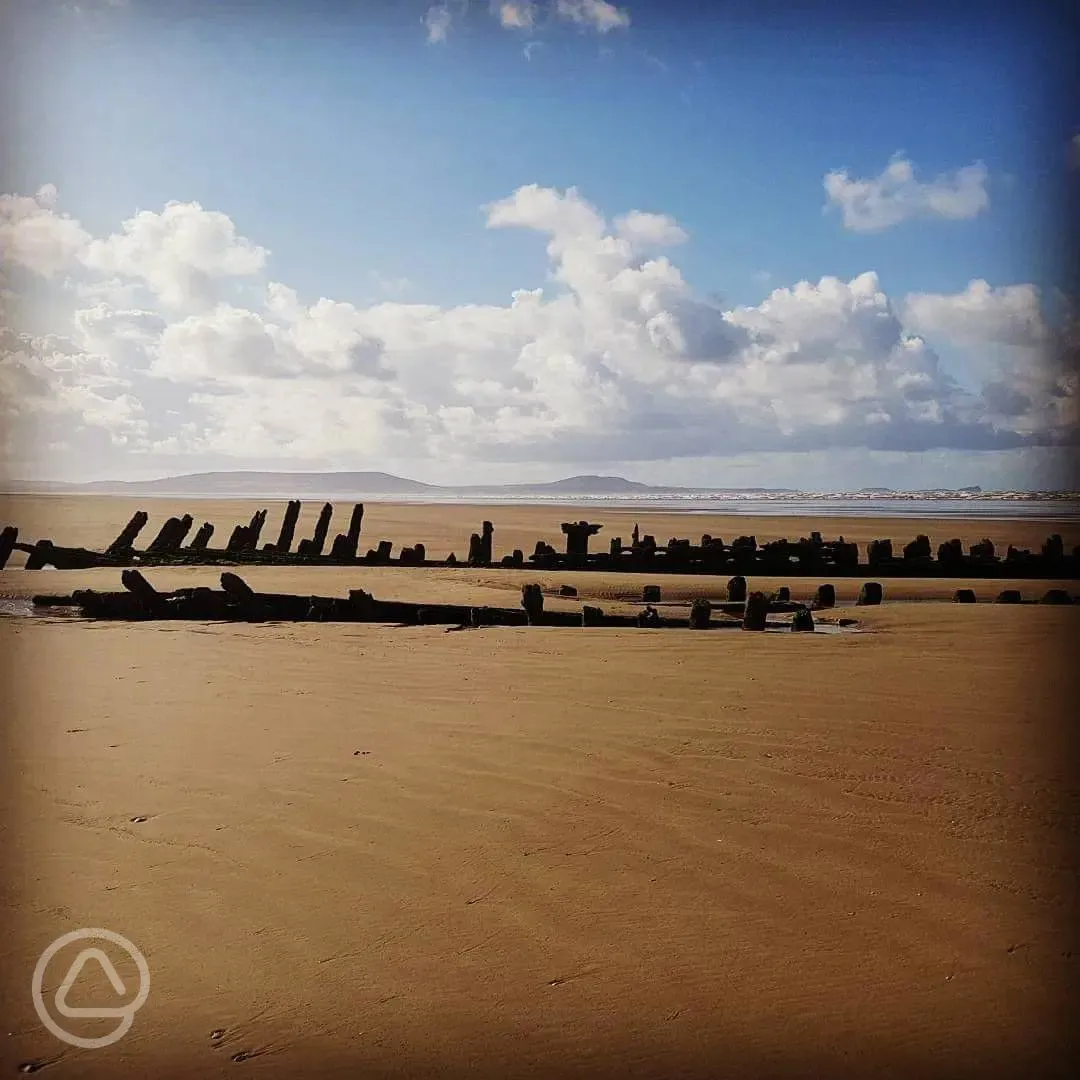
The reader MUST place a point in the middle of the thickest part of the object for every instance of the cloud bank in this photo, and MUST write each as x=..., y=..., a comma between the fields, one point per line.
x=178, y=342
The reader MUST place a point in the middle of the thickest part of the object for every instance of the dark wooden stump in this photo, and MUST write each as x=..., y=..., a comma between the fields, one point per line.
x=42, y=556
x=964, y=596
x=650, y=594
x=736, y=589
x=1009, y=596
x=201, y=540
x=567, y=590
x=7, y=544
x=126, y=540
x=592, y=616
x=700, y=614
x=870, y=594
x=802, y=621
x=288, y=526
x=783, y=595
x=756, y=611
x=825, y=597
x=532, y=600
x=1055, y=596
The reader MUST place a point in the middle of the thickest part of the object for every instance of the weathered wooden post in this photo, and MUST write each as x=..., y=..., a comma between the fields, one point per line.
x=577, y=540
x=649, y=617
x=476, y=550
x=783, y=595
x=243, y=596
x=700, y=614
x=650, y=594
x=236, y=588
x=486, y=542
x=1053, y=548
x=736, y=589
x=201, y=540
x=964, y=596
x=165, y=533
x=802, y=621
x=7, y=544
x=346, y=544
x=567, y=590
x=532, y=600
x=288, y=526
x=41, y=556
x=825, y=597
x=1009, y=596
x=172, y=535
x=591, y=616
x=254, y=529
x=124, y=542
x=869, y=594
x=756, y=612
x=149, y=598
x=236, y=540
x=1055, y=596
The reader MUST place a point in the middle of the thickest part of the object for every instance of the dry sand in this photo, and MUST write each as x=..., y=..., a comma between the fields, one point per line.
x=536, y=852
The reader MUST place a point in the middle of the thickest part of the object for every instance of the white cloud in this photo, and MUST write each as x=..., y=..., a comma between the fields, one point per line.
x=980, y=315
x=895, y=195
x=515, y=14
x=615, y=358
x=649, y=230
x=437, y=21
x=34, y=236
x=183, y=254
x=598, y=15
x=1029, y=382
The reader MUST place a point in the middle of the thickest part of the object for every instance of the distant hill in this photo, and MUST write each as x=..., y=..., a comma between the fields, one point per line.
x=334, y=483
x=245, y=483
x=582, y=485
x=280, y=485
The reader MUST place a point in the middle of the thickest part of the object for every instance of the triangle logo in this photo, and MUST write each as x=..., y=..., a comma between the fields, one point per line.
x=73, y=973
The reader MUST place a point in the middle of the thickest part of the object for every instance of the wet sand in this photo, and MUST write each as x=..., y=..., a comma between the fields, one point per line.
x=374, y=851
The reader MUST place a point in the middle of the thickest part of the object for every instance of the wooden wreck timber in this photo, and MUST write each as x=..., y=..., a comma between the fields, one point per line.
x=810, y=556
x=236, y=601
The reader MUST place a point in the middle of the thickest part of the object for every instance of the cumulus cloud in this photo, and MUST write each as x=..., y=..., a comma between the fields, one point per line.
x=515, y=14
x=615, y=357
x=980, y=315
x=34, y=236
x=182, y=253
x=895, y=195
x=596, y=15
x=1028, y=367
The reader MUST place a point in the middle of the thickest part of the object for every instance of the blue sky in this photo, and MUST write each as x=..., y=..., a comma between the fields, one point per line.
x=362, y=155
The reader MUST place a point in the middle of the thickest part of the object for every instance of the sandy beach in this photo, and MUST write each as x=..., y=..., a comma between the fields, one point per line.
x=352, y=850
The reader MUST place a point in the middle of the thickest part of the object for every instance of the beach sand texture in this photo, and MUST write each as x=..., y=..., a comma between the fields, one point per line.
x=354, y=850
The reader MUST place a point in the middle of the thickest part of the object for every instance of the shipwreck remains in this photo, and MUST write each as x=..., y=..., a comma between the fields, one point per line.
x=744, y=556
x=237, y=601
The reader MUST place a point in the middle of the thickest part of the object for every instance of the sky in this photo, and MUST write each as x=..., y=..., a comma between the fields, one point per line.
x=723, y=244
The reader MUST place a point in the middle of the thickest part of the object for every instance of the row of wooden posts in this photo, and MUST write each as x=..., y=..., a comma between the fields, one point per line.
x=807, y=556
